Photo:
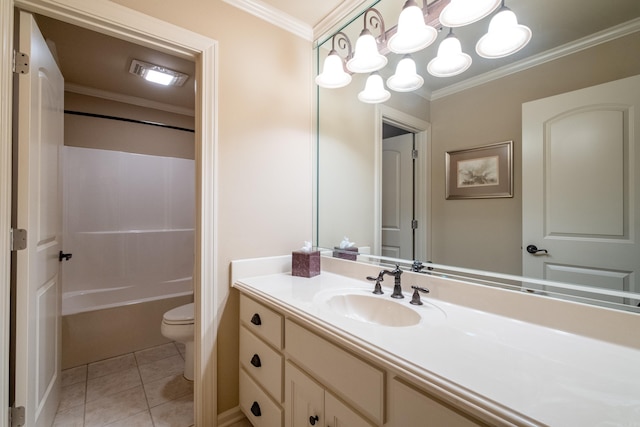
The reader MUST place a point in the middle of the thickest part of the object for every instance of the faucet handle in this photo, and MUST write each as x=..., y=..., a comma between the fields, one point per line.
x=378, y=288
x=415, y=299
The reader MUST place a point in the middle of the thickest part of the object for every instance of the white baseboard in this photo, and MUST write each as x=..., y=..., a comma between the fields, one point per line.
x=230, y=417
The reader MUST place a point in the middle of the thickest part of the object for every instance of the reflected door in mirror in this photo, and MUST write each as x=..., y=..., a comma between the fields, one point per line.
x=397, y=197
x=580, y=169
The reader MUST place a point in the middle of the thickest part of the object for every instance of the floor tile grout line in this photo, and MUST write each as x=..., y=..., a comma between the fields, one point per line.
x=146, y=396
x=137, y=365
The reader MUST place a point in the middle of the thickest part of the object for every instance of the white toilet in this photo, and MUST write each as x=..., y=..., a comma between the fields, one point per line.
x=177, y=325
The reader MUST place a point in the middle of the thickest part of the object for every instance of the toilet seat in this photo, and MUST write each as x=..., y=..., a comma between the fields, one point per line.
x=182, y=315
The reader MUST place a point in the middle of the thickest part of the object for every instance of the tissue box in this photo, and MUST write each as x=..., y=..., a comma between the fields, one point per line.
x=345, y=253
x=305, y=264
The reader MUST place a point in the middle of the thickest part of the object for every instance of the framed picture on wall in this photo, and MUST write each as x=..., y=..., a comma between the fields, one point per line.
x=480, y=172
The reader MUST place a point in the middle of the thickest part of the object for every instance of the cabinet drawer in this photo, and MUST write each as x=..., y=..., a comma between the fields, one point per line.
x=256, y=404
x=357, y=382
x=411, y=407
x=262, y=321
x=262, y=362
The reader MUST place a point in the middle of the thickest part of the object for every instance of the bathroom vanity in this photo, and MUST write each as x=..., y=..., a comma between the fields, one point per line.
x=326, y=351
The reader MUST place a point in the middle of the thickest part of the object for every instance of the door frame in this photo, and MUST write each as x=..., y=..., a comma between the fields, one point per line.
x=115, y=20
x=422, y=198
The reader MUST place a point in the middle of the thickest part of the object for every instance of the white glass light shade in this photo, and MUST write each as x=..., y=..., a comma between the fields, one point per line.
x=451, y=60
x=464, y=12
x=374, y=91
x=505, y=36
x=366, y=57
x=333, y=75
x=412, y=33
x=405, y=79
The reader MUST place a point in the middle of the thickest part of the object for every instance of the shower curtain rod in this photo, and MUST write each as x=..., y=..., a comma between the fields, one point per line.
x=122, y=119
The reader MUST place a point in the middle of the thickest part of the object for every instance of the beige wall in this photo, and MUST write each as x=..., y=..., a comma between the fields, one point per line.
x=93, y=132
x=264, y=157
x=347, y=152
x=486, y=234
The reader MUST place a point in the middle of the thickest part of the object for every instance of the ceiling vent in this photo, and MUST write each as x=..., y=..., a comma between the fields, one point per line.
x=157, y=74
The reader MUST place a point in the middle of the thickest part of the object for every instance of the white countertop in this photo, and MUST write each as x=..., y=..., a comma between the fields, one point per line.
x=549, y=376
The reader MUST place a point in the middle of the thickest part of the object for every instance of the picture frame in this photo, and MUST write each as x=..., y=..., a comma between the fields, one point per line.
x=483, y=172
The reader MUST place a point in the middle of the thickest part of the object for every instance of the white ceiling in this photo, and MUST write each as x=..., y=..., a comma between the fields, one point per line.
x=91, y=60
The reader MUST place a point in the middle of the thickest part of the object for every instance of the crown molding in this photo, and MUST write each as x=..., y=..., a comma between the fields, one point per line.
x=274, y=16
x=587, y=42
x=338, y=15
x=128, y=99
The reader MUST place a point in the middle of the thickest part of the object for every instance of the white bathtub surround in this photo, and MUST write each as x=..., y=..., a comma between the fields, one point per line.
x=511, y=356
x=129, y=223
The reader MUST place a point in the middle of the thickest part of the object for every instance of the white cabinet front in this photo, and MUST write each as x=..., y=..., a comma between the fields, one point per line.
x=307, y=403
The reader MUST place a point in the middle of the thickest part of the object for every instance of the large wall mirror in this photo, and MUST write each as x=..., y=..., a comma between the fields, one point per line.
x=362, y=178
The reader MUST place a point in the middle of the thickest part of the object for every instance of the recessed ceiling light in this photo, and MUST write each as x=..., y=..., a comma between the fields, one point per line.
x=157, y=74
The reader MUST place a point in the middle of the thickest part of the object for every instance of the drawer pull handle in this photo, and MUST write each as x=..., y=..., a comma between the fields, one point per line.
x=313, y=420
x=256, y=319
x=255, y=361
x=255, y=409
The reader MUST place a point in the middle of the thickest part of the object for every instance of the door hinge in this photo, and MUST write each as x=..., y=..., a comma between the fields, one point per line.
x=18, y=239
x=414, y=224
x=16, y=416
x=20, y=62
x=414, y=154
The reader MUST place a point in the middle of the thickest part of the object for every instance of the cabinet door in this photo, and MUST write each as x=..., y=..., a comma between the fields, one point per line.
x=411, y=407
x=340, y=415
x=304, y=399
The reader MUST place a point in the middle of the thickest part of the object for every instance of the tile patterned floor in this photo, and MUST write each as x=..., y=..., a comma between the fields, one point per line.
x=141, y=389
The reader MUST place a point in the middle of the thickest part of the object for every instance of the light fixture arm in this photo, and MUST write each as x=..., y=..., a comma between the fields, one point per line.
x=424, y=7
x=342, y=42
x=376, y=22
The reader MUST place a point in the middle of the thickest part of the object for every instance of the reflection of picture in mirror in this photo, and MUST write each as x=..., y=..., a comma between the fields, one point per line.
x=478, y=172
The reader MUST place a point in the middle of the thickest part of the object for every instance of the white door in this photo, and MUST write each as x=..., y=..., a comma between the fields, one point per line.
x=581, y=174
x=40, y=137
x=397, y=196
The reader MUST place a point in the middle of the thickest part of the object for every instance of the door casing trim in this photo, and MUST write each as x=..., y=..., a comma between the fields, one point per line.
x=422, y=131
x=113, y=19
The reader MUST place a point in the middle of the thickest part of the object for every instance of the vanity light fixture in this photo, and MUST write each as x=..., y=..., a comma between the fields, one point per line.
x=374, y=91
x=459, y=13
x=412, y=34
x=157, y=74
x=406, y=79
x=367, y=57
x=416, y=30
x=333, y=74
x=450, y=61
x=505, y=35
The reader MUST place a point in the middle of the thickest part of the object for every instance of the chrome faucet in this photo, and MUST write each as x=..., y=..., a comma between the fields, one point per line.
x=397, y=287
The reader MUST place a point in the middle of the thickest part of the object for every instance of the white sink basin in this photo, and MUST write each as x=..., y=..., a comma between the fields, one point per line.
x=373, y=309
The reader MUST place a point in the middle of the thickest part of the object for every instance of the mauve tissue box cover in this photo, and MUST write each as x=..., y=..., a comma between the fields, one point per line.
x=305, y=264
x=350, y=253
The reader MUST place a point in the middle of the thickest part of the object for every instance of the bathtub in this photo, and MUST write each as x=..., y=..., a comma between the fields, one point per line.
x=93, y=331
x=128, y=220
x=97, y=299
